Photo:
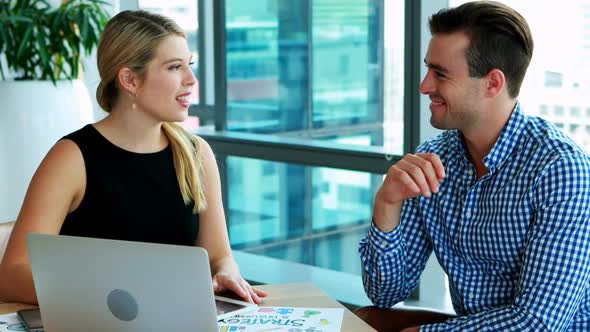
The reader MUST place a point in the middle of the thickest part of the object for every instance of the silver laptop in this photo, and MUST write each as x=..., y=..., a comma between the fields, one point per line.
x=86, y=284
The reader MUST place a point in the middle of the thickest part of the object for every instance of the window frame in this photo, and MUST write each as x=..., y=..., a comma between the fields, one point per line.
x=294, y=150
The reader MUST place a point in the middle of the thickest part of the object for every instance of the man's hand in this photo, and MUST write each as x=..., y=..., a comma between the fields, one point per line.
x=414, y=175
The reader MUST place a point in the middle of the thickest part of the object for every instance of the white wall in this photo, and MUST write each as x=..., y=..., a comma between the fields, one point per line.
x=27, y=136
x=90, y=76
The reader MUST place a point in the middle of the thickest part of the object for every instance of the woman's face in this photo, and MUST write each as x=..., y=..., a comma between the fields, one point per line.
x=164, y=91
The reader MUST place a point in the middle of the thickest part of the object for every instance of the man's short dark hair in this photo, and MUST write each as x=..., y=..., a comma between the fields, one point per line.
x=499, y=38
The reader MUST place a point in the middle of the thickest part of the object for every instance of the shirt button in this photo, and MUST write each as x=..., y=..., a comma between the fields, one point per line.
x=471, y=295
x=384, y=243
x=468, y=214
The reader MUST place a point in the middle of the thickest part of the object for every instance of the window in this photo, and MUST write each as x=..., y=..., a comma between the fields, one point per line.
x=559, y=111
x=315, y=72
x=573, y=128
x=315, y=69
x=559, y=72
x=309, y=215
x=575, y=112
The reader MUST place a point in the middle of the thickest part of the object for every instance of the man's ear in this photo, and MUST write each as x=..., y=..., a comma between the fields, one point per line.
x=495, y=82
x=128, y=80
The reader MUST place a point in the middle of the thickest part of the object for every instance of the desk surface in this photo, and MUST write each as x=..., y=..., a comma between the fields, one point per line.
x=293, y=295
x=308, y=295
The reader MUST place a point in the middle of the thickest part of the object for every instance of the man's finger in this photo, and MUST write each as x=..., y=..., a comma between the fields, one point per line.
x=418, y=175
x=436, y=163
x=409, y=183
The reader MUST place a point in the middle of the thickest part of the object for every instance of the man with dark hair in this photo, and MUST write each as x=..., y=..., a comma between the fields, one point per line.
x=502, y=198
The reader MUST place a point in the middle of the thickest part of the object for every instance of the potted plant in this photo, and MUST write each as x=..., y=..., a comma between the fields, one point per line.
x=41, y=42
x=41, y=95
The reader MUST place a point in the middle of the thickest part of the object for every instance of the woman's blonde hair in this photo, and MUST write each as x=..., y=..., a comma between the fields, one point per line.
x=129, y=40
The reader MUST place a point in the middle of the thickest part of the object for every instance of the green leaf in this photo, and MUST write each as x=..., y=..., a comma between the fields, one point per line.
x=42, y=45
x=24, y=43
x=53, y=79
x=100, y=2
x=15, y=19
x=99, y=23
x=91, y=39
x=57, y=21
x=20, y=5
x=3, y=37
x=59, y=65
x=44, y=42
x=74, y=66
x=84, y=27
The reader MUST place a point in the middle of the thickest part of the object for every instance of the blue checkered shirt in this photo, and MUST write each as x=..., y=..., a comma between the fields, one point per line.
x=515, y=244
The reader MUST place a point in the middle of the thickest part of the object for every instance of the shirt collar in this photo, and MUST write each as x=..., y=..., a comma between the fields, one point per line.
x=505, y=145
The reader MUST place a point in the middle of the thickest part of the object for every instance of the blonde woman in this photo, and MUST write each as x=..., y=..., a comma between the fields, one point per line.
x=135, y=175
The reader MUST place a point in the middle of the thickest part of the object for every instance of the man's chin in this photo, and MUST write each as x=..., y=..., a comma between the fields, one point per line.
x=441, y=125
x=438, y=124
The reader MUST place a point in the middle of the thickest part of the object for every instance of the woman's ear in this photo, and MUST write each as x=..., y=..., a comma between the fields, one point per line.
x=128, y=80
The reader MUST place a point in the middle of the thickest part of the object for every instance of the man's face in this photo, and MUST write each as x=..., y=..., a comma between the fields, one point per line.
x=455, y=97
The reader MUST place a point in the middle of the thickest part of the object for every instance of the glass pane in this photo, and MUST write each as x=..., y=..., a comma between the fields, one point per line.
x=393, y=77
x=557, y=80
x=310, y=215
x=344, y=60
x=185, y=14
x=316, y=69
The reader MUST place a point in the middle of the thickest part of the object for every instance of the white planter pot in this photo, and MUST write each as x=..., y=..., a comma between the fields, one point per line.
x=34, y=115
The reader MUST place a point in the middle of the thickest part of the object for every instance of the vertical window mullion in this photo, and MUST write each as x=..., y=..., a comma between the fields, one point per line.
x=207, y=52
x=219, y=57
x=412, y=43
x=201, y=51
x=310, y=64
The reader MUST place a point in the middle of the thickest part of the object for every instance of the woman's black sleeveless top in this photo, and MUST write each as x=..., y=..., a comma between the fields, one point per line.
x=129, y=196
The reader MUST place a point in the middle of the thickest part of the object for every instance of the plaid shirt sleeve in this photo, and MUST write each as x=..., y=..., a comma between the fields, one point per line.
x=555, y=270
x=392, y=262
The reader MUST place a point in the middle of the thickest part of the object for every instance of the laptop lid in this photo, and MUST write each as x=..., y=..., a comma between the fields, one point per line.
x=87, y=284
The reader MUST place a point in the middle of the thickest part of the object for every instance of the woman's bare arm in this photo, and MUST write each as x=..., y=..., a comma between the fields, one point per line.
x=57, y=187
x=213, y=234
